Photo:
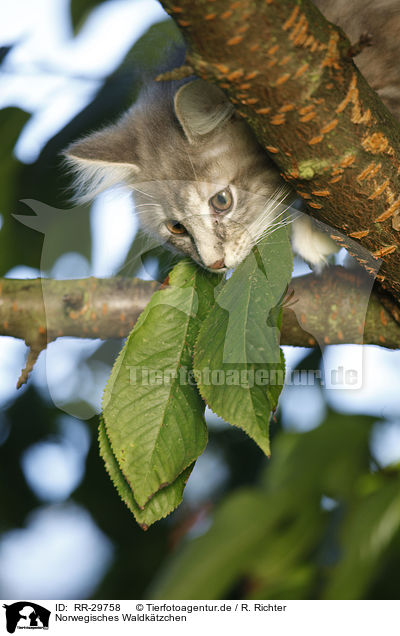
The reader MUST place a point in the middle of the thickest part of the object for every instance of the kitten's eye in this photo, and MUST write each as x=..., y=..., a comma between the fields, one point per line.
x=176, y=228
x=222, y=201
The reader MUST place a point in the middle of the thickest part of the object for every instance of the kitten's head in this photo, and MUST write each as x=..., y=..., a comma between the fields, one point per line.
x=201, y=182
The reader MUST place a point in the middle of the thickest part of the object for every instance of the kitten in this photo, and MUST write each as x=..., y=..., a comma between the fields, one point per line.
x=202, y=184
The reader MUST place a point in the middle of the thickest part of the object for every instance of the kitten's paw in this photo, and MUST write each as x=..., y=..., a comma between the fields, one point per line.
x=311, y=244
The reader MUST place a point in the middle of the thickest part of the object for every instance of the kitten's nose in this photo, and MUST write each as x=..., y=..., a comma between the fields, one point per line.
x=218, y=264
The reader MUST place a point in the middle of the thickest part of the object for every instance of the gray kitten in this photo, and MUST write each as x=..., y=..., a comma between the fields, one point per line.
x=202, y=183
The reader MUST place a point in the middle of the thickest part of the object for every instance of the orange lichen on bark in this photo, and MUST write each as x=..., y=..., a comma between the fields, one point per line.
x=352, y=91
x=315, y=140
x=235, y=40
x=235, y=75
x=222, y=67
x=375, y=143
x=389, y=212
x=347, y=161
x=285, y=60
x=308, y=117
x=272, y=149
x=321, y=193
x=252, y=75
x=306, y=109
x=210, y=16
x=286, y=108
x=379, y=190
x=301, y=36
x=226, y=14
x=383, y=318
x=291, y=19
x=314, y=205
x=278, y=120
x=271, y=51
x=359, y=234
x=282, y=79
x=298, y=28
x=301, y=70
x=329, y=127
x=332, y=57
x=369, y=171
x=385, y=251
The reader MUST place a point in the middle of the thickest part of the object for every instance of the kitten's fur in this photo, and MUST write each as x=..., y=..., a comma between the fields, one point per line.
x=180, y=145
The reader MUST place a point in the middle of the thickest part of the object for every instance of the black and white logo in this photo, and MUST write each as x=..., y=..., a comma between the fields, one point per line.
x=26, y=615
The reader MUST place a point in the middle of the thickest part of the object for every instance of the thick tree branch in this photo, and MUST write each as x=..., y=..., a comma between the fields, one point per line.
x=328, y=309
x=290, y=73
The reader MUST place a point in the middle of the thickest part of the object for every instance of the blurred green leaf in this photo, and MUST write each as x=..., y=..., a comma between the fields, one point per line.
x=280, y=542
x=156, y=428
x=370, y=527
x=208, y=565
x=335, y=454
x=18, y=244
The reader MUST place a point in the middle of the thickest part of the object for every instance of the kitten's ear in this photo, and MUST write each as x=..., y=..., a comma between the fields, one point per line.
x=201, y=107
x=103, y=159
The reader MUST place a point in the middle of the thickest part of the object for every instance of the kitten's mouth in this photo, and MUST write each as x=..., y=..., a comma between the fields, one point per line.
x=217, y=266
x=213, y=270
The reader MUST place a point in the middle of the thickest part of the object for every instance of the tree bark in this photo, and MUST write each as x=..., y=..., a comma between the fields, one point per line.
x=290, y=74
x=326, y=309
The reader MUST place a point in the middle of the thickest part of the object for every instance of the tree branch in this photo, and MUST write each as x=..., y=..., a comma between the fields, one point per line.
x=290, y=74
x=328, y=309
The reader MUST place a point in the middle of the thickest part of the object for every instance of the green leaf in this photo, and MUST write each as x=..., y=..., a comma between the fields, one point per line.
x=154, y=415
x=207, y=566
x=239, y=366
x=368, y=531
x=159, y=506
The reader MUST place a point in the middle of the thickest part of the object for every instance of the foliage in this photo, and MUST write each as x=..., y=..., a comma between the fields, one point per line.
x=155, y=426
x=284, y=538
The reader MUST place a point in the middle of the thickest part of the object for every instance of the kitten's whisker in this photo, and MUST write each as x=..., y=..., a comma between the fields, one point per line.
x=152, y=205
x=135, y=189
x=273, y=228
